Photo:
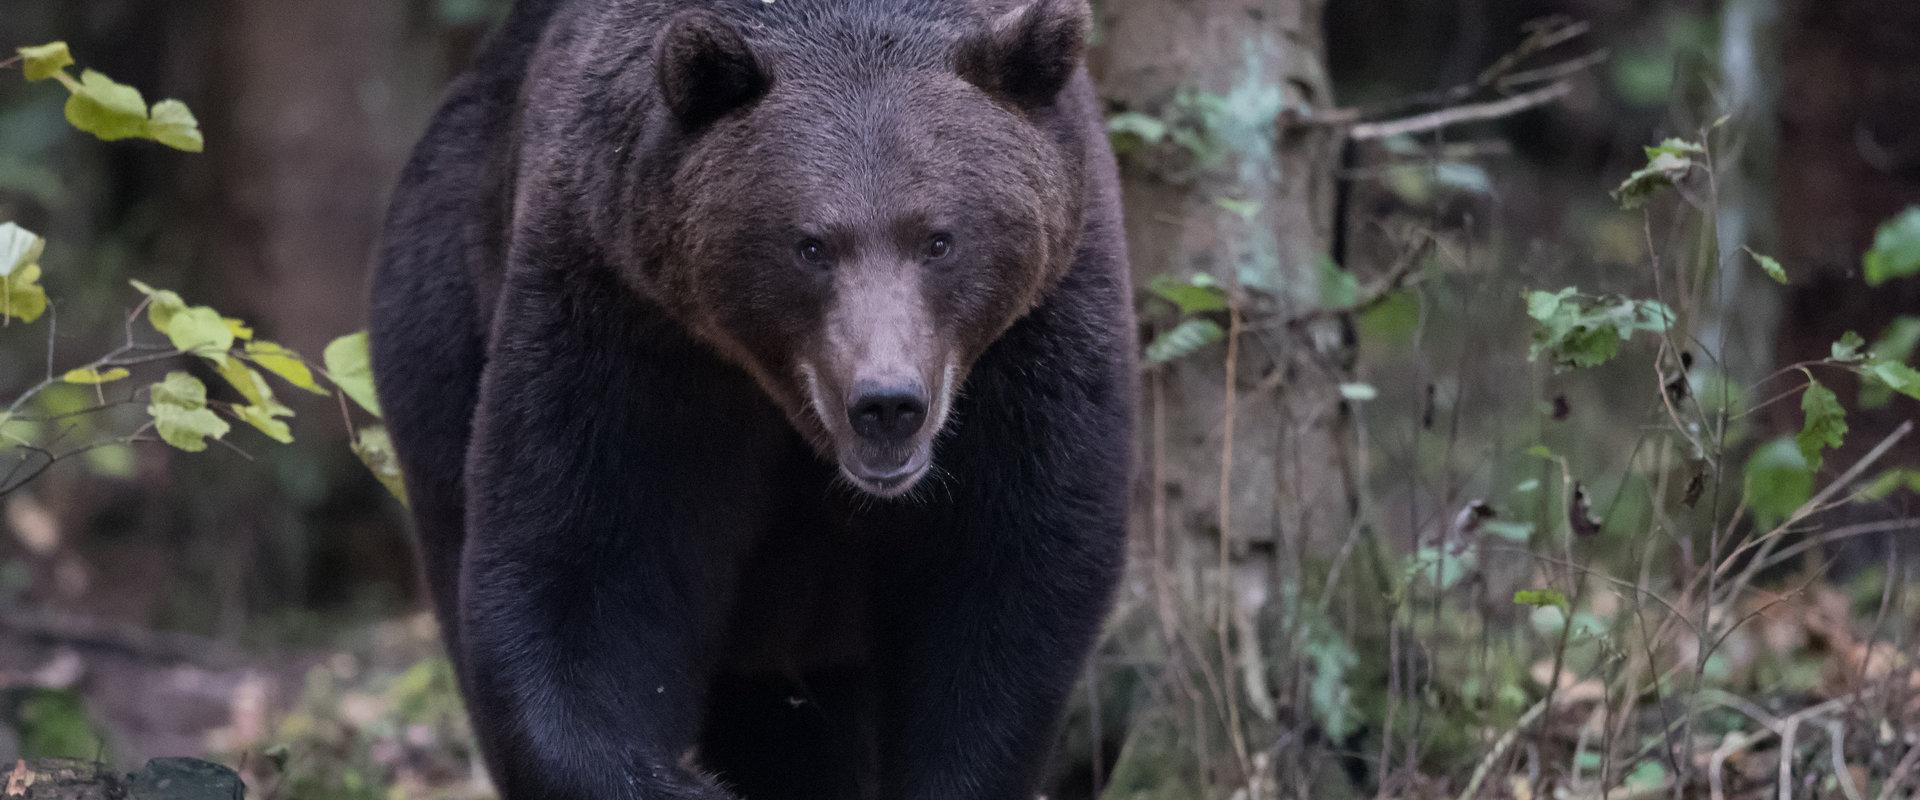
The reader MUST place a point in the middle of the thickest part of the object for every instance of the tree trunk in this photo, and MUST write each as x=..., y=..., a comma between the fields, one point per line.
x=323, y=100
x=1244, y=193
x=327, y=98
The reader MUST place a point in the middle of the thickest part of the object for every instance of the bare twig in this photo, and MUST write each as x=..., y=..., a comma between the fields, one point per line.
x=1460, y=115
x=1225, y=622
x=1898, y=780
x=1769, y=540
x=1837, y=753
x=1500, y=748
x=141, y=643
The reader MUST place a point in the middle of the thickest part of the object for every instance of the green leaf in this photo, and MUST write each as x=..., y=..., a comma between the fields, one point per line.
x=1899, y=341
x=1848, y=349
x=350, y=366
x=110, y=111
x=1338, y=288
x=200, y=330
x=1393, y=320
x=115, y=461
x=113, y=111
x=1895, y=346
x=375, y=449
x=1441, y=567
x=1577, y=331
x=87, y=376
x=45, y=61
x=1769, y=265
x=1198, y=294
x=21, y=296
x=285, y=363
x=1825, y=424
x=1674, y=147
x=1667, y=164
x=1542, y=597
x=1896, y=249
x=1894, y=376
x=174, y=126
x=1893, y=480
x=1646, y=777
x=19, y=248
x=162, y=305
x=1778, y=481
x=178, y=406
x=1183, y=340
x=1552, y=620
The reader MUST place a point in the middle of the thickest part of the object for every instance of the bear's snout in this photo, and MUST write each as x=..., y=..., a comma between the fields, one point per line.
x=887, y=415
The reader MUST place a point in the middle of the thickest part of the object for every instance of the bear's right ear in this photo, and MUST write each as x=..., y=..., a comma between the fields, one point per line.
x=1030, y=53
x=706, y=68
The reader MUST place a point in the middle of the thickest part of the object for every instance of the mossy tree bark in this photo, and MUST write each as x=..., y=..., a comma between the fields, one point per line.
x=1245, y=480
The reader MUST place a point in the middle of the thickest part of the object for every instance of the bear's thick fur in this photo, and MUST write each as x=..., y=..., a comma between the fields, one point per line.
x=762, y=372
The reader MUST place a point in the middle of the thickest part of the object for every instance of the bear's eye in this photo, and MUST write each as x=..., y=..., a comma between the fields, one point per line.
x=813, y=251
x=939, y=246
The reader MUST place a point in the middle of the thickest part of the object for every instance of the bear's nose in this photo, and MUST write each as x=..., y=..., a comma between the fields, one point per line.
x=887, y=414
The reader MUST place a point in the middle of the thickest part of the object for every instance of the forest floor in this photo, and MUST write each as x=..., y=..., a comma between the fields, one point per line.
x=379, y=718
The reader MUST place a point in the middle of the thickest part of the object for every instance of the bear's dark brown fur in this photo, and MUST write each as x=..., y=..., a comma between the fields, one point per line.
x=762, y=376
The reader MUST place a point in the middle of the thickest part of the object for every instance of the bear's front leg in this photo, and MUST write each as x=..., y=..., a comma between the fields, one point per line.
x=612, y=491
x=986, y=626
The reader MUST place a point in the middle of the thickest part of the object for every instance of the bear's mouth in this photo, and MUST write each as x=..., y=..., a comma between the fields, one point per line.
x=884, y=467
x=887, y=481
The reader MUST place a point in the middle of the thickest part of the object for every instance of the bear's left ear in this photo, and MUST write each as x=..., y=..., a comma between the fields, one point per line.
x=1029, y=54
x=706, y=68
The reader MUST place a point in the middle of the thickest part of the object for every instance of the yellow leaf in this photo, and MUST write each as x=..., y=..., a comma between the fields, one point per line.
x=174, y=126
x=21, y=296
x=162, y=304
x=106, y=108
x=285, y=363
x=178, y=406
x=248, y=383
x=200, y=330
x=375, y=448
x=263, y=419
x=87, y=376
x=45, y=61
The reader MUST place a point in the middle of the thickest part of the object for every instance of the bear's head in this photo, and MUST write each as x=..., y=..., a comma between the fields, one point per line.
x=859, y=206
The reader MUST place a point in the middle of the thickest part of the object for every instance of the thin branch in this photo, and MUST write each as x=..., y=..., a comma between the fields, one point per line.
x=1460, y=115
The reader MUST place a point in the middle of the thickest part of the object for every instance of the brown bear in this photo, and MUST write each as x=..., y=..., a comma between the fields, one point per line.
x=762, y=375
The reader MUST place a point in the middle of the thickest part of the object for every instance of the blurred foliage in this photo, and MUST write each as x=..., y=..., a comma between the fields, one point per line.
x=53, y=723
x=178, y=407
x=378, y=736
